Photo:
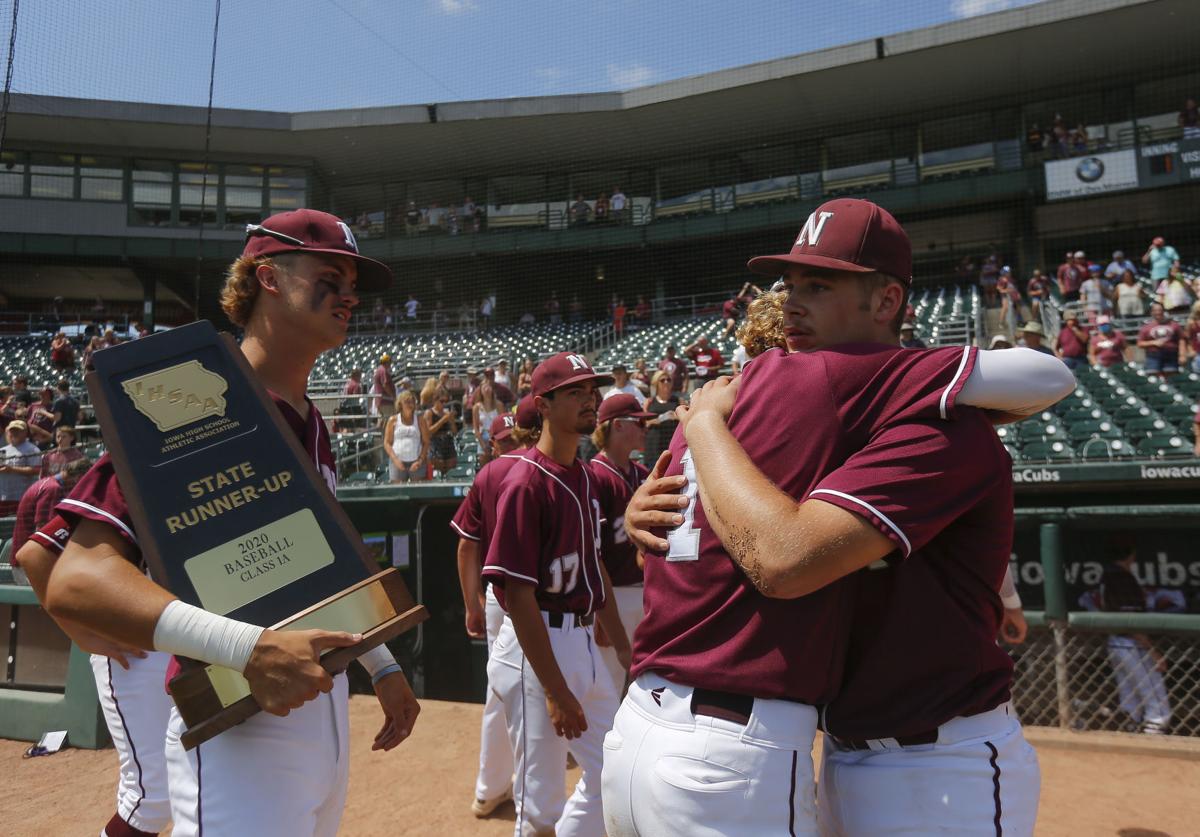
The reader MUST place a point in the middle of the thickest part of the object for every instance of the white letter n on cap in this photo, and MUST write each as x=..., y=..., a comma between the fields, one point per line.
x=811, y=232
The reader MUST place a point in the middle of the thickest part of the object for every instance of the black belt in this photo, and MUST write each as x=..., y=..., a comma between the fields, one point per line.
x=557, y=620
x=724, y=705
x=927, y=737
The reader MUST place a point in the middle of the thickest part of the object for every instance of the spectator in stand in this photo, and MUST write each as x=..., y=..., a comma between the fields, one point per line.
x=470, y=386
x=909, y=339
x=428, y=391
x=1161, y=257
x=502, y=378
x=1191, y=333
x=1118, y=266
x=1000, y=341
x=62, y=354
x=464, y=315
x=616, y=205
x=1037, y=289
x=1130, y=295
x=406, y=441
x=1095, y=294
x=484, y=410
x=20, y=464
x=20, y=390
x=110, y=339
x=36, y=506
x=618, y=316
x=676, y=367
x=351, y=403
x=1032, y=335
x=487, y=309
x=662, y=402
x=623, y=384
x=1079, y=140
x=734, y=308
x=412, y=219
x=452, y=220
x=1034, y=139
x=1071, y=274
x=1072, y=342
x=989, y=274
x=1107, y=346
x=41, y=419
x=384, y=390
x=575, y=309
x=470, y=214
x=1060, y=137
x=1011, y=310
x=580, y=211
x=640, y=315
x=94, y=345
x=410, y=309
x=440, y=429
x=1163, y=340
x=65, y=407
x=600, y=211
x=553, y=309
x=63, y=454
x=503, y=394
x=1189, y=120
x=525, y=378
x=1175, y=293
x=707, y=360
x=641, y=374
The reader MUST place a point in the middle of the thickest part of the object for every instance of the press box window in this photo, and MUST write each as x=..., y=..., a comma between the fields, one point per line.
x=52, y=176
x=101, y=179
x=153, y=185
x=12, y=174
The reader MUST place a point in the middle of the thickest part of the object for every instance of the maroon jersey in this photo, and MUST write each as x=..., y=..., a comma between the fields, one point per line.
x=798, y=417
x=707, y=361
x=98, y=496
x=923, y=638
x=614, y=489
x=1169, y=330
x=53, y=535
x=35, y=509
x=548, y=535
x=475, y=519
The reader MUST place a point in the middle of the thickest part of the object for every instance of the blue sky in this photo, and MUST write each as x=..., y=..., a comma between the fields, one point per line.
x=320, y=54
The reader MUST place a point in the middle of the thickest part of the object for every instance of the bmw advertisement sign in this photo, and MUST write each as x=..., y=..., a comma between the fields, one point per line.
x=1092, y=174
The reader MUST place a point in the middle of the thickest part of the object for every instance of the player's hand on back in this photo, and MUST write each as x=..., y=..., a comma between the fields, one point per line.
x=714, y=398
x=400, y=710
x=655, y=504
x=565, y=714
x=284, y=670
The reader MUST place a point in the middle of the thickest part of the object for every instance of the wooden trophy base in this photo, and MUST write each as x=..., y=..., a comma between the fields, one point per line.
x=212, y=699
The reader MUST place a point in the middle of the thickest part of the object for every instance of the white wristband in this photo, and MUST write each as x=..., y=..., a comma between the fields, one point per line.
x=377, y=659
x=188, y=631
x=1012, y=602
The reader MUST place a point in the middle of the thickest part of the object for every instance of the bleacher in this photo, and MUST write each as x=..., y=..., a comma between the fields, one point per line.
x=30, y=356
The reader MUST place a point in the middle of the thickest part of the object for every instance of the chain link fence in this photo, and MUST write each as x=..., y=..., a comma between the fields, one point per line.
x=1094, y=680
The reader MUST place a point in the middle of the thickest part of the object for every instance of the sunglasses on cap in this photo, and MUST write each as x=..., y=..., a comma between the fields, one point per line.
x=257, y=230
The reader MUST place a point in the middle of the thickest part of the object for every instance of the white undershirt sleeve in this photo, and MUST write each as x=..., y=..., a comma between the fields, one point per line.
x=1019, y=381
x=1008, y=591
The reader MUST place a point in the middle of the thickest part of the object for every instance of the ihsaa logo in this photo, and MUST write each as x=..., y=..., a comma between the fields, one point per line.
x=1090, y=169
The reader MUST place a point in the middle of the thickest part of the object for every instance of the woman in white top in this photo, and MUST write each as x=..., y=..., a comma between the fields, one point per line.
x=1174, y=293
x=485, y=409
x=406, y=441
x=1131, y=296
x=502, y=377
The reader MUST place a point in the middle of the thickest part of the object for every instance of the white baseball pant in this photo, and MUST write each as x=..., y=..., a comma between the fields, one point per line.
x=629, y=606
x=269, y=776
x=1140, y=687
x=136, y=707
x=980, y=778
x=495, y=750
x=669, y=771
x=540, y=755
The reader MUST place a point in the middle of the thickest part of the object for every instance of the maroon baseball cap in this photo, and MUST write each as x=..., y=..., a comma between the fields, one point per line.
x=502, y=426
x=621, y=406
x=528, y=417
x=565, y=369
x=312, y=231
x=846, y=234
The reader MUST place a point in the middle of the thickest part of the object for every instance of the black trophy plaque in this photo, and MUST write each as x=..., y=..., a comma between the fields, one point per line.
x=231, y=513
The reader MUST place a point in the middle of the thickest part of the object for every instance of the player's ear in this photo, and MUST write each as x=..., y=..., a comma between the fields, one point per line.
x=267, y=275
x=889, y=300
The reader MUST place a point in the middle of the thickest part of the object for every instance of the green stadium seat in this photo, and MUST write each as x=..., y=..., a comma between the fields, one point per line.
x=1047, y=452
x=1078, y=414
x=1092, y=429
x=1180, y=412
x=1144, y=426
x=1100, y=448
x=1128, y=412
x=1164, y=445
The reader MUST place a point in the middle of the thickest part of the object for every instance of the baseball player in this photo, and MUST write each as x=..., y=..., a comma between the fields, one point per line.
x=943, y=555
x=284, y=771
x=474, y=522
x=544, y=562
x=620, y=430
x=135, y=704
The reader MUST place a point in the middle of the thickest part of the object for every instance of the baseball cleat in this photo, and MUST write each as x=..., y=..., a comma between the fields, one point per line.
x=484, y=807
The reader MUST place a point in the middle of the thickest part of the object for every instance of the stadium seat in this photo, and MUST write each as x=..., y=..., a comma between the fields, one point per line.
x=1047, y=452
x=1105, y=449
x=1164, y=445
x=1144, y=426
x=1180, y=412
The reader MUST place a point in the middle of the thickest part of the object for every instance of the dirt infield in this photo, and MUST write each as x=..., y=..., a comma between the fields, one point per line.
x=425, y=786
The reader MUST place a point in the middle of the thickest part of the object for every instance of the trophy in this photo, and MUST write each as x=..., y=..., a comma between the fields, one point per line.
x=231, y=514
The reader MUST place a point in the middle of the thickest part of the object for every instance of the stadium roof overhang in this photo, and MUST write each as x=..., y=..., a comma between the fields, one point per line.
x=1000, y=57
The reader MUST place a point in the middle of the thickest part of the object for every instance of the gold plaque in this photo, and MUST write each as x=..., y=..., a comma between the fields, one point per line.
x=258, y=563
x=178, y=395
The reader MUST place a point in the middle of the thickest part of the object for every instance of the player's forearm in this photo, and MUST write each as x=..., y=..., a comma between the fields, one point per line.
x=521, y=601
x=468, y=572
x=37, y=562
x=1016, y=381
x=105, y=593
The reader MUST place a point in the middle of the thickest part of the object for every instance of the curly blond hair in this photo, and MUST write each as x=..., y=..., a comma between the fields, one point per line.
x=241, y=285
x=763, y=327
x=526, y=438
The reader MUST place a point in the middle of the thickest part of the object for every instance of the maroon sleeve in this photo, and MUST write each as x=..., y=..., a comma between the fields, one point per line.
x=98, y=497
x=25, y=524
x=516, y=546
x=1144, y=332
x=914, y=479
x=54, y=535
x=468, y=520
